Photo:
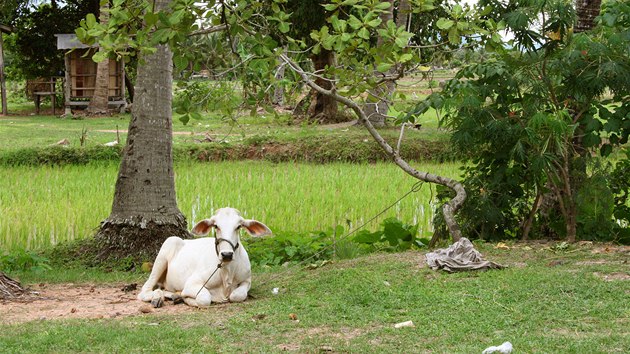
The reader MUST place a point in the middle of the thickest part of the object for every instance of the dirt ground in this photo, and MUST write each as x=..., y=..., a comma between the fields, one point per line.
x=71, y=301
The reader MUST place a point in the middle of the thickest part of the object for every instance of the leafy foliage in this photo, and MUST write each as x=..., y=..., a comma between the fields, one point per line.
x=34, y=41
x=22, y=260
x=394, y=237
x=534, y=113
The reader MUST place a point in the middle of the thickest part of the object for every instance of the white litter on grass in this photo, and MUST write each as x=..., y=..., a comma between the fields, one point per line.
x=505, y=348
x=275, y=291
x=404, y=324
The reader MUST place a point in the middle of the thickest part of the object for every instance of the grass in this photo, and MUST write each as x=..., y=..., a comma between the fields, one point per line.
x=538, y=305
x=42, y=206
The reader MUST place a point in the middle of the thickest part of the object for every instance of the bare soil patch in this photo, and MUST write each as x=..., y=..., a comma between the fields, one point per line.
x=613, y=276
x=84, y=301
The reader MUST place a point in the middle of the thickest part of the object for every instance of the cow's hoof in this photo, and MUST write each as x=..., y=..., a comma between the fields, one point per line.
x=177, y=299
x=157, y=302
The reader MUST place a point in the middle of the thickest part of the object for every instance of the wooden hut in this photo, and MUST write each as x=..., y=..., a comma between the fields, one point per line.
x=80, y=77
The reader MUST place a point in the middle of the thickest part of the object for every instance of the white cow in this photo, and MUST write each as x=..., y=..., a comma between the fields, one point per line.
x=184, y=268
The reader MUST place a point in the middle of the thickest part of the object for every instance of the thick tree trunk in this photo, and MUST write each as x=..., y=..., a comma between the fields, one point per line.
x=323, y=108
x=100, y=98
x=586, y=11
x=145, y=212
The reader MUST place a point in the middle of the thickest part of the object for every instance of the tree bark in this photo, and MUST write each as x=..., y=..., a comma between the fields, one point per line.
x=323, y=108
x=144, y=211
x=278, y=92
x=3, y=88
x=100, y=99
x=377, y=103
x=129, y=86
x=586, y=11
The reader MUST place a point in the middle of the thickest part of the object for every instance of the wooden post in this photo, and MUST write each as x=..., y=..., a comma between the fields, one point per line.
x=66, y=85
x=3, y=88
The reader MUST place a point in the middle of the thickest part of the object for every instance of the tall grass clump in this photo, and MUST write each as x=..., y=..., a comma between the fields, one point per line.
x=42, y=206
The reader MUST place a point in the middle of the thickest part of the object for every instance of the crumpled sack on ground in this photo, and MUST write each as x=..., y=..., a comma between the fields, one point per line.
x=459, y=256
x=505, y=348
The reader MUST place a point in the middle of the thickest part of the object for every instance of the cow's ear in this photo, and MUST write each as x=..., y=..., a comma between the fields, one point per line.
x=256, y=228
x=203, y=227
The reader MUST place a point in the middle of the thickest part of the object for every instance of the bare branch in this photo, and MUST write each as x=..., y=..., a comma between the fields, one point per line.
x=450, y=207
x=208, y=30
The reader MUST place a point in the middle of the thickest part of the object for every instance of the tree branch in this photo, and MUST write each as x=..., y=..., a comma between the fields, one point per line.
x=450, y=207
x=208, y=30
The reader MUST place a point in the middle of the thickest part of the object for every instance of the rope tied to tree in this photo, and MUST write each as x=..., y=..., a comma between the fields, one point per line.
x=415, y=188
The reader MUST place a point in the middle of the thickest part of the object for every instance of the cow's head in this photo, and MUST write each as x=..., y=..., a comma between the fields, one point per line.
x=227, y=223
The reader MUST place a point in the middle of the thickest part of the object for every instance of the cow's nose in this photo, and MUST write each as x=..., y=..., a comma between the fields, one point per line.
x=227, y=256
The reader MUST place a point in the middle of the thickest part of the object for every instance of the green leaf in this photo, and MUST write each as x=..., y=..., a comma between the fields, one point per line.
x=99, y=56
x=405, y=57
x=90, y=20
x=185, y=119
x=364, y=33
x=354, y=22
x=150, y=19
x=383, y=6
x=284, y=27
x=453, y=36
x=445, y=24
x=375, y=22
x=331, y=7
x=180, y=62
x=367, y=237
x=384, y=67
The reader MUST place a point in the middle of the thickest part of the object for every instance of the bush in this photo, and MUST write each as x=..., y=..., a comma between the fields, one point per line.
x=22, y=260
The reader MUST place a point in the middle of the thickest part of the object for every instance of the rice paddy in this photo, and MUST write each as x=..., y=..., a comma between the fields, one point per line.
x=43, y=206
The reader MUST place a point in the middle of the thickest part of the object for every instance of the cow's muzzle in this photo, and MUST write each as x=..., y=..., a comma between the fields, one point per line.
x=226, y=256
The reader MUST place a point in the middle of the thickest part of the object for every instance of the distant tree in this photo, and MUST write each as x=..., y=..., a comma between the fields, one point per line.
x=533, y=116
x=35, y=45
x=306, y=16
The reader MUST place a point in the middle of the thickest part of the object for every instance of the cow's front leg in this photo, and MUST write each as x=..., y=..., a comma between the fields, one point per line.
x=240, y=293
x=195, y=294
x=158, y=298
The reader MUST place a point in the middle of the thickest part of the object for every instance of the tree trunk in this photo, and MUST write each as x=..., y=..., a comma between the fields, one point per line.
x=100, y=98
x=3, y=88
x=144, y=211
x=278, y=92
x=129, y=87
x=377, y=103
x=323, y=108
x=586, y=11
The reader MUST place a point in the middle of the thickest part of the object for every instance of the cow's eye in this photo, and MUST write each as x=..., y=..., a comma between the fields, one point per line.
x=239, y=227
x=217, y=228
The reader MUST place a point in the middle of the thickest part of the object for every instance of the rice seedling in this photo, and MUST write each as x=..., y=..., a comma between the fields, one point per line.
x=43, y=206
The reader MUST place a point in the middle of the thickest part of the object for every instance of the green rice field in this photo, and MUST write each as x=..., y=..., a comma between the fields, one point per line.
x=42, y=206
